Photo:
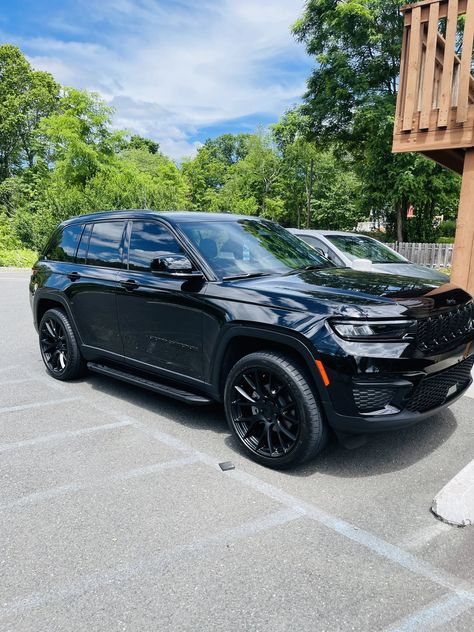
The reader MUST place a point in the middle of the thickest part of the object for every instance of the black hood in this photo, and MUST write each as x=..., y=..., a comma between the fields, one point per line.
x=362, y=293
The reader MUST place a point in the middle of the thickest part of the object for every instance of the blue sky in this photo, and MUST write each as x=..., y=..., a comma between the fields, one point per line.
x=177, y=71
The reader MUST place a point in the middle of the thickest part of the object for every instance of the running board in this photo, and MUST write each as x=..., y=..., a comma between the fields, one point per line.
x=151, y=385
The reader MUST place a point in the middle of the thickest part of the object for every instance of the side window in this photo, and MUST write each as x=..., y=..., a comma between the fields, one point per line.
x=83, y=244
x=105, y=245
x=64, y=243
x=316, y=243
x=148, y=241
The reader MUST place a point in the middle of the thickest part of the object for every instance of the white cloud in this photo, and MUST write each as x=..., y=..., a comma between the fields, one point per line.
x=170, y=68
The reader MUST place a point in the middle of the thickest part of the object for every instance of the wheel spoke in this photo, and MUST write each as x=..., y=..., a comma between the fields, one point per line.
x=48, y=325
x=278, y=429
x=244, y=394
x=261, y=440
x=251, y=427
x=269, y=439
x=250, y=383
x=289, y=434
x=258, y=385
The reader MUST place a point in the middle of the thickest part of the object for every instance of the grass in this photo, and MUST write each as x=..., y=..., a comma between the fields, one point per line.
x=18, y=258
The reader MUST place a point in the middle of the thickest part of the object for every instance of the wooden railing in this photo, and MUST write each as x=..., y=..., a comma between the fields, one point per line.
x=435, y=105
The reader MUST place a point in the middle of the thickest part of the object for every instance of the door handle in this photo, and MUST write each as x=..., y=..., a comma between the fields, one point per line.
x=129, y=285
x=73, y=276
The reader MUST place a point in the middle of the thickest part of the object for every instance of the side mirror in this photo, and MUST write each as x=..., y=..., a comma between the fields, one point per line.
x=176, y=266
x=362, y=264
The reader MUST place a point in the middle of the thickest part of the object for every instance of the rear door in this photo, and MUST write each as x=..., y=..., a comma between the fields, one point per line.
x=160, y=316
x=92, y=293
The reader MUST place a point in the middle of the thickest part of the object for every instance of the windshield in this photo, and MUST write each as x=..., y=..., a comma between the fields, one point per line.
x=248, y=247
x=360, y=247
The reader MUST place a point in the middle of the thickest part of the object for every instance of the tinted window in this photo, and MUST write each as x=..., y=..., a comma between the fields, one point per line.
x=148, y=241
x=317, y=243
x=63, y=245
x=251, y=246
x=105, y=245
x=83, y=244
x=360, y=247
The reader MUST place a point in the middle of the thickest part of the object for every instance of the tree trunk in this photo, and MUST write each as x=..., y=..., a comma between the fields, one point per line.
x=309, y=194
x=400, y=209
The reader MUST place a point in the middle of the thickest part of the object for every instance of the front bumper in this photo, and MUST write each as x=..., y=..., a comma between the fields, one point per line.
x=379, y=423
x=377, y=394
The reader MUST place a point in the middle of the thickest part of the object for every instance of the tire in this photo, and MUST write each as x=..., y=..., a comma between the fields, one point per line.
x=272, y=410
x=58, y=345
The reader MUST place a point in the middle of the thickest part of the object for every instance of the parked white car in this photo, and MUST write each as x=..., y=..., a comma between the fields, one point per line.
x=352, y=250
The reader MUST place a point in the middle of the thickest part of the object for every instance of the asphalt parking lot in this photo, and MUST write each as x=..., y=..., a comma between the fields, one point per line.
x=115, y=514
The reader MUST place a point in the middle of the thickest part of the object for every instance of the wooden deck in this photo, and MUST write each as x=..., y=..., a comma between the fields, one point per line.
x=435, y=105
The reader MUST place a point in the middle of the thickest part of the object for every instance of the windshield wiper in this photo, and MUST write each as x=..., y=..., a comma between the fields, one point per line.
x=311, y=266
x=249, y=275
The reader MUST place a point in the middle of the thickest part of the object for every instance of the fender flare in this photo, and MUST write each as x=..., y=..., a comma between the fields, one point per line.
x=273, y=334
x=61, y=300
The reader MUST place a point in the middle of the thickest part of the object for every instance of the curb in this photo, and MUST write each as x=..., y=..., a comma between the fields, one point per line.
x=454, y=504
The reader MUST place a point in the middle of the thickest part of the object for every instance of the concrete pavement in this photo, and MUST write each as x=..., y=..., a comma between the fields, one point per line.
x=116, y=516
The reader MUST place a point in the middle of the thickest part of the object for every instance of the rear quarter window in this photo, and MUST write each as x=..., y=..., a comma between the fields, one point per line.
x=63, y=245
x=106, y=244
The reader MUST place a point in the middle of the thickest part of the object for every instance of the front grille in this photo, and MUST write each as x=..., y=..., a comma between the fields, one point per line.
x=436, y=332
x=432, y=391
x=369, y=399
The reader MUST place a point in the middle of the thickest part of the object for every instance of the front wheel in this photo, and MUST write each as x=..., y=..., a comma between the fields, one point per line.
x=59, y=349
x=272, y=410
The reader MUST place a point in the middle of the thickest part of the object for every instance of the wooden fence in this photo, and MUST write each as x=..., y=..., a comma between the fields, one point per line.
x=431, y=255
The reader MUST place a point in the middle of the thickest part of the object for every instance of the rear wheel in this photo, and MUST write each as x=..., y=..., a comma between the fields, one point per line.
x=58, y=345
x=272, y=410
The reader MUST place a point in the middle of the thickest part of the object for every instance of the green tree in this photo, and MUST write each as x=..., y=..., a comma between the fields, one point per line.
x=76, y=139
x=139, y=142
x=26, y=96
x=350, y=102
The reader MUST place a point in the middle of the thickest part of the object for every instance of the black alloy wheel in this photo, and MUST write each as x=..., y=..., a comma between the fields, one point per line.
x=59, y=349
x=54, y=345
x=265, y=413
x=272, y=409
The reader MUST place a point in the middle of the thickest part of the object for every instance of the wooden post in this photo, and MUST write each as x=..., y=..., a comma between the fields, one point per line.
x=463, y=258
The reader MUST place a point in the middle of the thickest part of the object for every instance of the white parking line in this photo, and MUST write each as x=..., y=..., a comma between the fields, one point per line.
x=59, y=436
x=9, y=367
x=54, y=492
x=420, y=538
x=150, y=564
x=433, y=616
x=51, y=402
x=366, y=539
x=19, y=380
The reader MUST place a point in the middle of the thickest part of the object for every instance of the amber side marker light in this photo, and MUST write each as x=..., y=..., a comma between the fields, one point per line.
x=322, y=370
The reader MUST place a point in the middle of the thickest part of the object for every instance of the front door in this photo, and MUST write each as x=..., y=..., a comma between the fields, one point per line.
x=160, y=317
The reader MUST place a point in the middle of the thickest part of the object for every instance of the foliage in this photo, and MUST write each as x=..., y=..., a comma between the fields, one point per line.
x=18, y=258
x=327, y=164
x=350, y=103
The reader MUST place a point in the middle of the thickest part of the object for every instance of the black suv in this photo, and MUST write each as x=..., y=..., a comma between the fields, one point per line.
x=204, y=306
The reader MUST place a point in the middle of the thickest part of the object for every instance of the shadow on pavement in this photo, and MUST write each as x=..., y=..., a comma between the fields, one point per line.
x=382, y=453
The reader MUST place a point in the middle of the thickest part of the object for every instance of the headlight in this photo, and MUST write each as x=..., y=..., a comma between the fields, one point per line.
x=375, y=330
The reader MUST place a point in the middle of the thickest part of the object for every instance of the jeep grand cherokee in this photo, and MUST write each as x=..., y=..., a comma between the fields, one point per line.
x=203, y=306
